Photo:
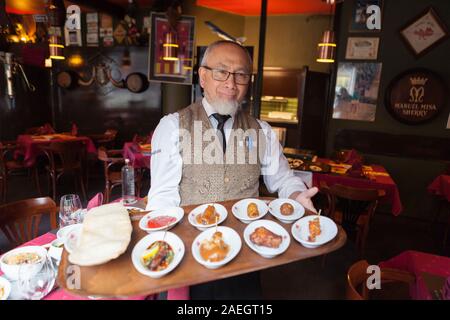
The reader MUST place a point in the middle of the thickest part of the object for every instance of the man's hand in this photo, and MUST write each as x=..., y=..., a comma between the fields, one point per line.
x=304, y=198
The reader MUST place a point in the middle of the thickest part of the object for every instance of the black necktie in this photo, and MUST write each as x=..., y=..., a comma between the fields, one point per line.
x=221, y=119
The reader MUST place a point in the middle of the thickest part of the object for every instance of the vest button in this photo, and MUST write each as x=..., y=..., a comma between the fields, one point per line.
x=226, y=179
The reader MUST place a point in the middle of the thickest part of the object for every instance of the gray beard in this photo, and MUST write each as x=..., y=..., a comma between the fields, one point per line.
x=225, y=107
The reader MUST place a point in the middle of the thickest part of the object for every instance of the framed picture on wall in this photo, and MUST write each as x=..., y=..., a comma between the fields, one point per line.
x=358, y=21
x=362, y=48
x=356, y=91
x=424, y=32
x=171, y=49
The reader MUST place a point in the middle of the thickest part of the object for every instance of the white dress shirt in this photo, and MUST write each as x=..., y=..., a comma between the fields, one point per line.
x=166, y=162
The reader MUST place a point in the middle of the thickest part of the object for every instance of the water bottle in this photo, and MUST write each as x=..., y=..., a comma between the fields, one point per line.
x=128, y=194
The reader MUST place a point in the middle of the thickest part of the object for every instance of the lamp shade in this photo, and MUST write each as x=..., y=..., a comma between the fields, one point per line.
x=170, y=47
x=56, y=49
x=326, y=48
x=25, y=6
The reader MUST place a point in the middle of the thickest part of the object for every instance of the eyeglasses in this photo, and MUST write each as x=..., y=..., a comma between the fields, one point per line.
x=223, y=75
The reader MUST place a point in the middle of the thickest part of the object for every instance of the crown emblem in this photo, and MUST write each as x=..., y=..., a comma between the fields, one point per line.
x=418, y=81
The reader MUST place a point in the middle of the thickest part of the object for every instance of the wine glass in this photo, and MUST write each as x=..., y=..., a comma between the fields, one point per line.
x=35, y=286
x=70, y=210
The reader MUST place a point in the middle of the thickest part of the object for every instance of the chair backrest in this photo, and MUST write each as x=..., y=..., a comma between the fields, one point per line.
x=20, y=220
x=357, y=280
x=367, y=198
x=112, y=160
x=72, y=154
x=111, y=133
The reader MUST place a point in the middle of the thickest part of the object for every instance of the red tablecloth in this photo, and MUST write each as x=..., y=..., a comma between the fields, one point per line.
x=379, y=179
x=138, y=158
x=417, y=262
x=29, y=145
x=441, y=186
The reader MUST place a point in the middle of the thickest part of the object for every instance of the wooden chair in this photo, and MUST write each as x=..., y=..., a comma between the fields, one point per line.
x=105, y=139
x=20, y=220
x=394, y=283
x=65, y=157
x=113, y=163
x=352, y=208
x=10, y=166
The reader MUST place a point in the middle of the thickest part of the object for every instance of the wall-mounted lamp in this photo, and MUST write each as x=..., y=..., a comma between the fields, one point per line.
x=170, y=47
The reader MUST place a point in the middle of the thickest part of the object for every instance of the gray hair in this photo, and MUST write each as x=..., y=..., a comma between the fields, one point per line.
x=218, y=43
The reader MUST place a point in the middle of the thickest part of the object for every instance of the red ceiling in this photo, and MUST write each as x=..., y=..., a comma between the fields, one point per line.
x=274, y=7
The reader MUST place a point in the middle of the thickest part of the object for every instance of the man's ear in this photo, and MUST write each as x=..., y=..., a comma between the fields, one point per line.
x=202, y=76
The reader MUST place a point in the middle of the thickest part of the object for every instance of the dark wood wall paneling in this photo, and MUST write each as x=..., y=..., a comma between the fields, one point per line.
x=96, y=108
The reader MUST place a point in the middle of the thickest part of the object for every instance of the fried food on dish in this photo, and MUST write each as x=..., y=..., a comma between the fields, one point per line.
x=314, y=229
x=252, y=210
x=208, y=217
x=157, y=256
x=264, y=237
x=214, y=249
x=286, y=209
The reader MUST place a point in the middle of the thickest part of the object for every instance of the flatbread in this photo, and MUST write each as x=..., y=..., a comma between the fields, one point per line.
x=105, y=235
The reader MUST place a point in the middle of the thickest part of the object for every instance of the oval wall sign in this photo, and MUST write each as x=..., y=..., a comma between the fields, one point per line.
x=416, y=96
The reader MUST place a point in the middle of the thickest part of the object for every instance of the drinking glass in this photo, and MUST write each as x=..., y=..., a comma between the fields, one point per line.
x=35, y=286
x=70, y=210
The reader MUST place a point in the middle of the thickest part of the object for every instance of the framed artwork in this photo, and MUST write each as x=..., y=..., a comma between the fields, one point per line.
x=362, y=48
x=171, y=49
x=424, y=32
x=358, y=22
x=356, y=91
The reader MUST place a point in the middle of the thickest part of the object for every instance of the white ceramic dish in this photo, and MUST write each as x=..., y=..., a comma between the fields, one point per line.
x=11, y=271
x=72, y=238
x=175, y=212
x=275, y=205
x=229, y=236
x=300, y=231
x=220, y=209
x=171, y=238
x=239, y=209
x=5, y=288
x=56, y=249
x=62, y=233
x=267, y=252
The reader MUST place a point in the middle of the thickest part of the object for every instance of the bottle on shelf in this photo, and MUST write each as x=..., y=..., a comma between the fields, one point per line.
x=128, y=191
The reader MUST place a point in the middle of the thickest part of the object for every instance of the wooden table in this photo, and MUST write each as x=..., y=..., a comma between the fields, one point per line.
x=119, y=278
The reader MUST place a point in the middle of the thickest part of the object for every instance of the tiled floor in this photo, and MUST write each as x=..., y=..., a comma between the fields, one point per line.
x=308, y=279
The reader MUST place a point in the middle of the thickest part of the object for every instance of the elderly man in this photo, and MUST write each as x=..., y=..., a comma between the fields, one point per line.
x=192, y=166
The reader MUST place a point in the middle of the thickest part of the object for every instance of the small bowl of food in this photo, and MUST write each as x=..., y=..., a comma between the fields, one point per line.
x=161, y=219
x=207, y=216
x=158, y=253
x=215, y=248
x=248, y=210
x=286, y=210
x=267, y=238
x=32, y=257
x=5, y=288
x=313, y=231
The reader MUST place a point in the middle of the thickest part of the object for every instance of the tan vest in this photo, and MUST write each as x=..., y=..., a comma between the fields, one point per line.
x=235, y=175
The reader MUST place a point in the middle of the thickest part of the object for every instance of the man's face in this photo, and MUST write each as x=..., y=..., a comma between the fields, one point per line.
x=230, y=58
